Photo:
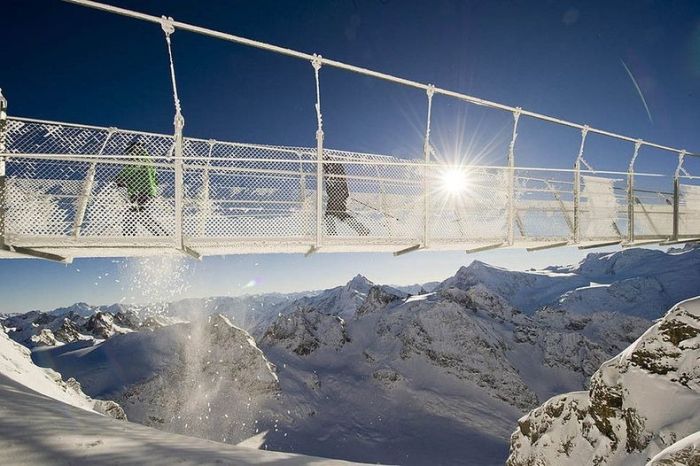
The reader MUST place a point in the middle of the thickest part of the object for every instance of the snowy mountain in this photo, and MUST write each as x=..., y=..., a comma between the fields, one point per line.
x=640, y=402
x=367, y=372
x=17, y=367
x=203, y=378
x=637, y=282
x=35, y=328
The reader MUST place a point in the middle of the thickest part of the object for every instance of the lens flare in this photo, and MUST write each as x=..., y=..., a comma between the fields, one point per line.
x=454, y=180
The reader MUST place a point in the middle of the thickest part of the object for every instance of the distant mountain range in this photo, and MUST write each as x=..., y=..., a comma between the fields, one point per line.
x=426, y=374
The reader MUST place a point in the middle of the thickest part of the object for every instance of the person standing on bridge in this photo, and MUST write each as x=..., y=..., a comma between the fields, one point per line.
x=141, y=187
x=338, y=194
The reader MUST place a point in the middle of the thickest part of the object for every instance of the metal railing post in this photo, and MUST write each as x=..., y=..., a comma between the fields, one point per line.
x=426, y=170
x=204, y=195
x=511, y=179
x=630, y=193
x=577, y=187
x=677, y=196
x=179, y=180
x=87, y=188
x=3, y=150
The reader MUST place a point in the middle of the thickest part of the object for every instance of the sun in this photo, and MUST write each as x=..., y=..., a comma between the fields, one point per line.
x=454, y=180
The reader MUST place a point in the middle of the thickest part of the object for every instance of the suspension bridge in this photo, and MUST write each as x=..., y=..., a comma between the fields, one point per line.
x=72, y=190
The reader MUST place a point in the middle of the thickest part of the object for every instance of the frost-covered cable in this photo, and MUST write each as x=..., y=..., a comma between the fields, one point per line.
x=430, y=91
x=511, y=177
x=166, y=23
x=316, y=63
x=426, y=142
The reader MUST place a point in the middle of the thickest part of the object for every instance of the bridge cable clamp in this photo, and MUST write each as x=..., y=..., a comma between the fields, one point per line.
x=167, y=24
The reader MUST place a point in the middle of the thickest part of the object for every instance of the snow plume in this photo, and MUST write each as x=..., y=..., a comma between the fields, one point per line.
x=155, y=280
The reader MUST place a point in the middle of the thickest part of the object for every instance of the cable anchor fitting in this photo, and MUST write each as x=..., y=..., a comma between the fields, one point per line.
x=317, y=62
x=167, y=24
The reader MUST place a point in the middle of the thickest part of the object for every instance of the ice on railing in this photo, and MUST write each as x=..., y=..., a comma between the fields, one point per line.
x=600, y=209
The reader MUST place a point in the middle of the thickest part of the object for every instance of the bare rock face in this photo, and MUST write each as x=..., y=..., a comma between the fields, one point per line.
x=110, y=408
x=305, y=330
x=44, y=338
x=639, y=403
x=446, y=334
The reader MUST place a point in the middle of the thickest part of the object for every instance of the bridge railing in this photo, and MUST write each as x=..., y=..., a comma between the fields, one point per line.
x=79, y=186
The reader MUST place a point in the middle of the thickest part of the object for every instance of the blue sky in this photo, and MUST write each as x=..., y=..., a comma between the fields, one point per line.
x=66, y=63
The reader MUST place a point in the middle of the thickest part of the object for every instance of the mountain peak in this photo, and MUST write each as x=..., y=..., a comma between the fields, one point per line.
x=359, y=283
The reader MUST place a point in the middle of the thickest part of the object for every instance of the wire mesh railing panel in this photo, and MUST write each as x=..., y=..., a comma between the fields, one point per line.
x=247, y=192
x=689, y=211
x=468, y=205
x=543, y=206
x=653, y=210
x=370, y=200
x=34, y=137
x=602, y=210
x=68, y=185
x=69, y=202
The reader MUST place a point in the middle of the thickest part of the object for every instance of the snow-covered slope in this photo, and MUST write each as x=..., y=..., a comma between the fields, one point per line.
x=640, y=402
x=637, y=282
x=17, y=366
x=39, y=430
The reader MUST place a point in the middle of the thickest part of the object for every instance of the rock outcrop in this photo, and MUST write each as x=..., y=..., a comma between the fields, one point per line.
x=640, y=402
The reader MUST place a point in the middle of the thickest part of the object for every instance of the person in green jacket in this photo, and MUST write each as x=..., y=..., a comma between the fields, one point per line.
x=141, y=186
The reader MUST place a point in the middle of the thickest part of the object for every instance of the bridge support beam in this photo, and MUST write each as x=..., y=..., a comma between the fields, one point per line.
x=600, y=245
x=191, y=252
x=548, y=246
x=415, y=247
x=485, y=247
x=37, y=254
